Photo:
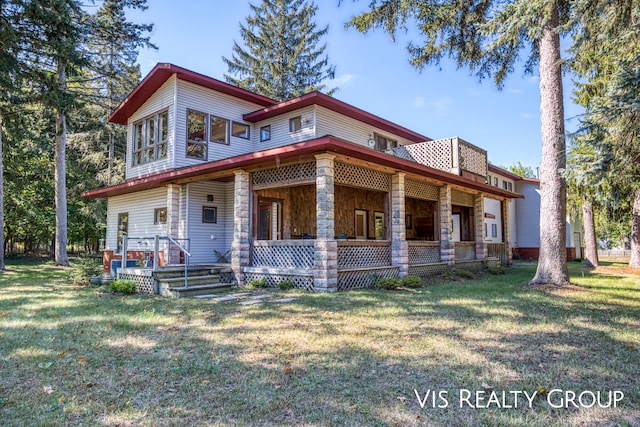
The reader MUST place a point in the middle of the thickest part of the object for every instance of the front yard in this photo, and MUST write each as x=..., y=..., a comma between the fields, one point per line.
x=82, y=356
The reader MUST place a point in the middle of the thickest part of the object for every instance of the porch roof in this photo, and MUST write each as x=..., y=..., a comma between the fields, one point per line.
x=330, y=144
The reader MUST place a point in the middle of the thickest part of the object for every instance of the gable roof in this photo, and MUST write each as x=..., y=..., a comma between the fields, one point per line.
x=161, y=73
x=333, y=104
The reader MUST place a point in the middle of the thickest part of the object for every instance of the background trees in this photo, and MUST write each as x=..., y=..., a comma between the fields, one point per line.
x=281, y=58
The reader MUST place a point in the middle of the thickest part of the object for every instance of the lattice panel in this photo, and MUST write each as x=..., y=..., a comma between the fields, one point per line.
x=302, y=282
x=435, y=154
x=472, y=158
x=428, y=270
x=356, y=176
x=423, y=254
x=293, y=172
x=358, y=279
x=420, y=190
x=144, y=284
x=283, y=256
x=461, y=199
x=363, y=256
x=465, y=252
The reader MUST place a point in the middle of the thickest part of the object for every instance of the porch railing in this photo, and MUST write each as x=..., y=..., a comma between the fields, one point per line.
x=497, y=250
x=365, y=253
x=465, y=251
x=421, y=252
x=283, y=253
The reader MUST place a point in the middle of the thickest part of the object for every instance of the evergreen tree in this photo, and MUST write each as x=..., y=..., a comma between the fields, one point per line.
x=282, y=59
x=490, y=37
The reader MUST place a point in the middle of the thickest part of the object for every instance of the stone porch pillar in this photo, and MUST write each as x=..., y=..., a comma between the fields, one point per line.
x=506, y=232
x=325, y=274
x=447, y=247
x=478, y=225
x=399, y=245
x=240, y=246
x=174, y=226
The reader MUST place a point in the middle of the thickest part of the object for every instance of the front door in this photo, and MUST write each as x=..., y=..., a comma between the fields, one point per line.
x=269, y=219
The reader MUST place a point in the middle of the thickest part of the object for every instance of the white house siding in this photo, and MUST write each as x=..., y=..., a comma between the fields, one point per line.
x=194, y=97
x=513, y=223
x=206, y=238
x=331, y=123
x=492, y=207
x=280, y=135
x=140, y=206
x=162, y=99
x=528, y=210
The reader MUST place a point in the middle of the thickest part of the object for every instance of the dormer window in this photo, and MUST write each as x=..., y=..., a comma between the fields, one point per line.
x=384, y=143
x=150, y=137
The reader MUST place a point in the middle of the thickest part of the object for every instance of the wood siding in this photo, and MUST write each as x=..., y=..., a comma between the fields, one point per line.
x=335, y=124
x=140, y=207
x=194, y=97
x=162, y=99
x=206, y=238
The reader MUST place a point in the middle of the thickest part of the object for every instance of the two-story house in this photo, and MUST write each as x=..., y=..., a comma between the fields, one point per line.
x=311, y=190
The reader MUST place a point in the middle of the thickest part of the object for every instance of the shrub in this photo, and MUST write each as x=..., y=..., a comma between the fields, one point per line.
x=259, y=283
x=412, y=282
x=457, y=275
x=496, y=270
x=123, y=286
x=388, y=283
x=85, y=267
x=285, y=285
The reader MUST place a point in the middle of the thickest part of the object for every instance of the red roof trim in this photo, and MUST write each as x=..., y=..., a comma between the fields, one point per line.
x=330, y=144
x=333, y=104
x=161, y=73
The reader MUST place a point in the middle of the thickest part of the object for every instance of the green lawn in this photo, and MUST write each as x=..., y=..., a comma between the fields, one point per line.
x=81, y=356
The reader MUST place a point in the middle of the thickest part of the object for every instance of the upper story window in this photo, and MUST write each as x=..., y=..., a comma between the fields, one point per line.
x=240, y=130
x=265, y=133
x=150, y=137
x=384, y=143
x=495, y=181
x=295, y=124
x=219, y=130
x=509, y=186
x=196, y=134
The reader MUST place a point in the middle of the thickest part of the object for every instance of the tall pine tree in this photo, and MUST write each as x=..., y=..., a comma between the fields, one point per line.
x=491, y=37
x=281, y=59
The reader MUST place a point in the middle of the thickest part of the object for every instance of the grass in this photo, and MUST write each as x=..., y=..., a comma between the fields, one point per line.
x=82, y=356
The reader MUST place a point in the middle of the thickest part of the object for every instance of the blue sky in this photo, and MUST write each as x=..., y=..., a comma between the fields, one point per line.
x=372, y=73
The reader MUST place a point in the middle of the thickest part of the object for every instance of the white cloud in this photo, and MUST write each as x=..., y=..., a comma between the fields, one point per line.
x=418, y=102
x=344, y=79
x=516, y=91
x=528, y=116
x=440, y=105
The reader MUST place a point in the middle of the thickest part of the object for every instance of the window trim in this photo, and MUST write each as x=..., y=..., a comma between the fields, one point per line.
x=262, y=128
x=140, y=141
x=390, y=143
x=203, y=142
x=494, y=230
x=244, y=125
x=215, y=214
x=292, y=121
x=156, y=216
x=227, y=138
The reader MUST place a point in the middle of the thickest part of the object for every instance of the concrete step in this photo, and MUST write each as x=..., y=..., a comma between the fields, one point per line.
x=178, y=271
x=195, y=290
x=177, y=282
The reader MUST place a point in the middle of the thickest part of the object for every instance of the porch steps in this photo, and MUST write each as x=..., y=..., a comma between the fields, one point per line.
x=202, y=280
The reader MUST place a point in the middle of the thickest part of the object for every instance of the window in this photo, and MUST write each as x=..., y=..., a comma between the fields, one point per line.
x=495, y=181
x=510, y=185
x=160, y=216
x=265, y=133
x=209, y=215
x=240, y=130
x=150, y=139
x=494, y=230
x=384, y=143
x=196, y=135
x=295, y=124
x=486, y=230
x=219, y=129
x=123, y=229
x=504, y=185
x=489, y=179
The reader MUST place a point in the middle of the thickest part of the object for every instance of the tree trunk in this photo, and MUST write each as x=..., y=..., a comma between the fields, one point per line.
x=2, y=267
x=589, y=225
x=60, y=171
x=552, y=262
x=635, y=233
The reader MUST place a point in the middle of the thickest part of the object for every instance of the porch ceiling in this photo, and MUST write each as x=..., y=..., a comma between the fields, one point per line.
x=224, y=169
